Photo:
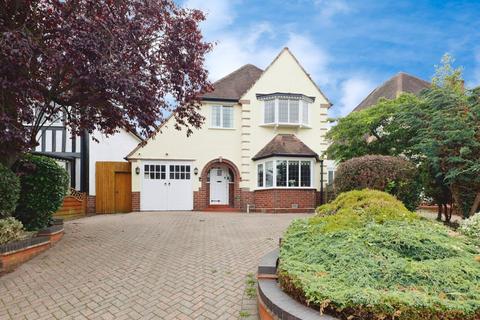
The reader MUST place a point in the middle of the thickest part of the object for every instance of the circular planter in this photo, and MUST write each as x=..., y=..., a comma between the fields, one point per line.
x=273, y=303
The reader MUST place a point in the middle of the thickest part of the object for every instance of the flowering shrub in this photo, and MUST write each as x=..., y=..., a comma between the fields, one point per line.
x=471, y=226
x=10, y=230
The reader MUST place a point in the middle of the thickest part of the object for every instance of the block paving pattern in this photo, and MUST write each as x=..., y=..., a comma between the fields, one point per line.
x=154, y=265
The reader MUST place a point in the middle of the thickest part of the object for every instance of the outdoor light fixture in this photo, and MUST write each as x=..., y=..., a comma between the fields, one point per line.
x=137, y=170
x=195, y=171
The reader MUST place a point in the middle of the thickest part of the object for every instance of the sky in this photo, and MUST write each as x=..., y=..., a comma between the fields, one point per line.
x=349, y=47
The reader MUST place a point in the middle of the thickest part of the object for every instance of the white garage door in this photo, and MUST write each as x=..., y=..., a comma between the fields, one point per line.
x=166, y=186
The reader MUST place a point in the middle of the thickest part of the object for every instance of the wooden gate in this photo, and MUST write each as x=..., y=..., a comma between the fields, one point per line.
x=113, y=187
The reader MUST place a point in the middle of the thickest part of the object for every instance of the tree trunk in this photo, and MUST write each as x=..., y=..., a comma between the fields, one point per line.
x=448, y=213
x=457, y=200
x=439, y=212
x=475, y=205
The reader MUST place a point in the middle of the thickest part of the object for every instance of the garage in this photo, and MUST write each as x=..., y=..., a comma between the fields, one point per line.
x=166, y=185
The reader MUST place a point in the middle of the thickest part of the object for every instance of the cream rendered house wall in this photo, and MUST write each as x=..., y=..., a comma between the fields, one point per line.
x=247, y=137
x=284, y=75
x=202, y=146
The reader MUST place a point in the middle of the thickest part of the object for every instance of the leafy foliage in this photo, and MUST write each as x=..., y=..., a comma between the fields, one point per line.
x=10, y=230
x=102, y=64
x=392, y=174
x=385, y=267
x=471, y=227
x=9, y=191
x=44, y=185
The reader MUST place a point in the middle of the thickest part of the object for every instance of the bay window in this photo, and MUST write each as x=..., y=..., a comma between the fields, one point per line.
x=286, y=109
x=285, y=173
x=222, y=117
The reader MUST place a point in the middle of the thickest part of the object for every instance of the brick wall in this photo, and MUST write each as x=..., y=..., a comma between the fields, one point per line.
x=91, y=205
x=285, y=200
x=136, y=201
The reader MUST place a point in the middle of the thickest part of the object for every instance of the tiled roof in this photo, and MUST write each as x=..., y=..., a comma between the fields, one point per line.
x=234, y=85
x=285, y=145
x=402, y=82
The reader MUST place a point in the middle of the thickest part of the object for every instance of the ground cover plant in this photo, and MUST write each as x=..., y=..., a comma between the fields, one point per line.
x=365, y=256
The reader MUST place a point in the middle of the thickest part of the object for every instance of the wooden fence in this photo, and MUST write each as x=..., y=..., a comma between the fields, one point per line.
x=74, y=206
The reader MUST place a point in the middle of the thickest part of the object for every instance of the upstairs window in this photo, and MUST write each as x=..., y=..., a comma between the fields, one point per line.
x=222, y=117
x=286, y=109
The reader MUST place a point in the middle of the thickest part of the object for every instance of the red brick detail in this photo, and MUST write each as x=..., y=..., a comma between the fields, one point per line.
x=91, y=205
x=201, y=198
x=285, y=200
x=136, y=201
x=10, y=260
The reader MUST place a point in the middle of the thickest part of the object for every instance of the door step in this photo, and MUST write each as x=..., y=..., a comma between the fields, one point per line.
x=220, y=208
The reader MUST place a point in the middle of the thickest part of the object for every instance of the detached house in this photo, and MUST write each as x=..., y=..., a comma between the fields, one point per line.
x=260, y=148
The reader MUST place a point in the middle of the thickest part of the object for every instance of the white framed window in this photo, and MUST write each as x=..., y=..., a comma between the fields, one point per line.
x=285, y=173
x=222, y=117
x=286, y=111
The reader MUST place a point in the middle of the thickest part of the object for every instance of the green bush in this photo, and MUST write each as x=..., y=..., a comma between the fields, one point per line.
x=382, y=266
x=471, y=227
x=44, y=184
x=394, y=175
x=9, y=191
x=10, y=230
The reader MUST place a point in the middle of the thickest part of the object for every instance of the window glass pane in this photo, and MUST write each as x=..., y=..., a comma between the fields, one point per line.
x=157, y=168
x=269, y=174
x=146, y=168
x=182, y=175
x=281, y=173
x=187, y=176
x=269, y=115
x=157, y=175
x=305, y=173
x=162, y=176
x=152, y=175
x=282, y=110
x=293, y=110
x=177, y=175
x=147, y=175
x=260, y=175
x=152, y=167
x=304, y=112
x=216, y=116
x=293, y=177
x=188, y=168
x=330, y=177
x=228, y=117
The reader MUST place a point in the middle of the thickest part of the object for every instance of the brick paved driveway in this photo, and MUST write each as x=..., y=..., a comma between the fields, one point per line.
x=171, y=265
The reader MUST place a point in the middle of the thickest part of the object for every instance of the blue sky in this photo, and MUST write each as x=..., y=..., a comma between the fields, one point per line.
x=349, y=47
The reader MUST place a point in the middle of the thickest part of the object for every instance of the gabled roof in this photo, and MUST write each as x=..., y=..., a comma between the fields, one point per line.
x=286, y=145
x=401, y=82
x=234, y=85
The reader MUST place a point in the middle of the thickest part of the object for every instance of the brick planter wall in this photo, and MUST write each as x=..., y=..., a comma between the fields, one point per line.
x=285, y=200
x=136, y=201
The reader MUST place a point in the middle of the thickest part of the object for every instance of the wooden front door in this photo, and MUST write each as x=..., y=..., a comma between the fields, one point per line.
x=123, y=195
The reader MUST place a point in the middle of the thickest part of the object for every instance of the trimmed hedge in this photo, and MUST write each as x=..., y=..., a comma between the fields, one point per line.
x=394, y=175
x=10, y=230
x=44, y=185
x=9, y=191
x=382, y=265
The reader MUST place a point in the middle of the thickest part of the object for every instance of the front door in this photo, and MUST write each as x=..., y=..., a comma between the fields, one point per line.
x=219, y=186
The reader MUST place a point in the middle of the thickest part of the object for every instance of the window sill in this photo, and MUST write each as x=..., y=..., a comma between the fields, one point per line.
x=284, y=188
x=291, y=125
x=220, y=128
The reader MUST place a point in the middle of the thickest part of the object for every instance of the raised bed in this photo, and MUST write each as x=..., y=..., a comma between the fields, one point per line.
x=13, y=254
x=273, y=303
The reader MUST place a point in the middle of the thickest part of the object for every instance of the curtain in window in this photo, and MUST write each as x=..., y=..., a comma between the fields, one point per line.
x=269, y=174
x=281, y=173
x=227, y=117
x=293, y=174
x=269, y=115
x=216, y=116
x=305, y=174
x=260, y=175
x=294, y=113
x=282, y=110
x=304, y=112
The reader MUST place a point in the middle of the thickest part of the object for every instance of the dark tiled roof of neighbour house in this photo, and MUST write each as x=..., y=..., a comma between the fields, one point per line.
x=287, y=145
x=234, y=85
x=401, y=82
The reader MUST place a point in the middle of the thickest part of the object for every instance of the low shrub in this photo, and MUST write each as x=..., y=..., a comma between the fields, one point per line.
x=394, y=175
x=44, y=184
x=10, y=230
x=9, y=191
x=381, y=266
x=471, y=227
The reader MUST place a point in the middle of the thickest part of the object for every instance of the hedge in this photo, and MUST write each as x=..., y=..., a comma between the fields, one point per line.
x=44, y=184
x=9, y=191
x=10, y=230
x=381, y=265
x=394, y=175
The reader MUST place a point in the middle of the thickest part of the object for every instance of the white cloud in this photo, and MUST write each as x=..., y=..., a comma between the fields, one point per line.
x=330, y=8
x=219, y=13
x=353, y=91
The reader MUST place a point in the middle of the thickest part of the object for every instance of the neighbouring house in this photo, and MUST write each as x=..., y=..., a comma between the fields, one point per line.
x=392, y=88
x=259, y=149
x=80, y=154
